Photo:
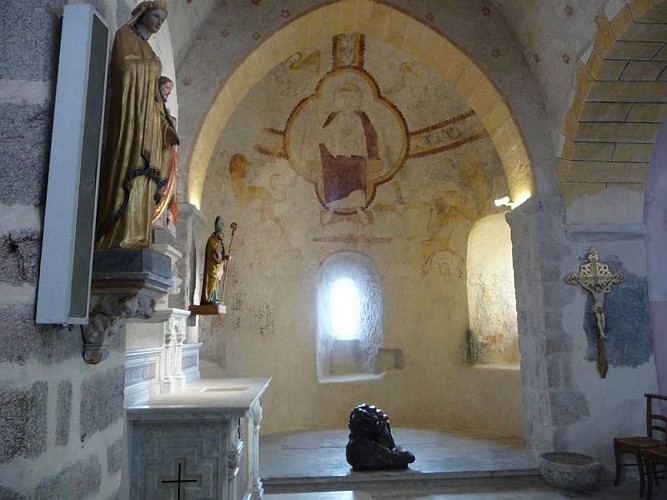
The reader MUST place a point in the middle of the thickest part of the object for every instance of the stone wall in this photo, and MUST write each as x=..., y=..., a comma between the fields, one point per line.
x=61, y=421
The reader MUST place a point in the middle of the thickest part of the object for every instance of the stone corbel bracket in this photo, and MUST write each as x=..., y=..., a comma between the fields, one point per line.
x=108, y=315
x=125, y=284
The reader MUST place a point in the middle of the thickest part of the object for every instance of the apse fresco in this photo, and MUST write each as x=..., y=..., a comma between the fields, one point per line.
x=346, y=139
x=347, y=119
x=351, y=145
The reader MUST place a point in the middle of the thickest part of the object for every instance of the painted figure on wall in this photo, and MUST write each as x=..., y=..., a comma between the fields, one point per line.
x=348, y=151
x=346, y=139
x=247, y=193
x=215, y=261
x=169, y=157
x=137, y=134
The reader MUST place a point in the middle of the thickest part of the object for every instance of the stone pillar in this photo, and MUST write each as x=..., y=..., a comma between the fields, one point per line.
x=62, y=419
x=552, y=402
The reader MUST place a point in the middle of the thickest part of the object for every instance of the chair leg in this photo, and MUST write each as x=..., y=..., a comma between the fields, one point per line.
x=642, y=474
x=617, y=457
x=650, y=473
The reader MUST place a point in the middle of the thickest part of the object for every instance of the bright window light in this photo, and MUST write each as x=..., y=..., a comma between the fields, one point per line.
x=345, y=304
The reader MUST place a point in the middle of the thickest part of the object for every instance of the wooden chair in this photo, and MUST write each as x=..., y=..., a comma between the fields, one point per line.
x=656, y=436
x=652, y=458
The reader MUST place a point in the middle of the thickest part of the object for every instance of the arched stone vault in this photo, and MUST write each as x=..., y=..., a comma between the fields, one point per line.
x=619, y=102
x=501, y=95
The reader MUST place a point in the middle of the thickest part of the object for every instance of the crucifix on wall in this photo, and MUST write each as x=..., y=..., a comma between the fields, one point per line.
x=597, y=279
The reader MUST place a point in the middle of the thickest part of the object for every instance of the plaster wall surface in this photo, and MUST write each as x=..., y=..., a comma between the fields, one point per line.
x=496, y=54
x=415, y=229
x=656, y=244
x=185, y=22
x=540, y=248
x=554, y=36
x=615, y=206
x=614, y=404
x=491, y=293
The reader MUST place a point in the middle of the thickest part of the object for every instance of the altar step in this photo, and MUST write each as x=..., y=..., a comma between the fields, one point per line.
x=498, y=488
x=408, y=481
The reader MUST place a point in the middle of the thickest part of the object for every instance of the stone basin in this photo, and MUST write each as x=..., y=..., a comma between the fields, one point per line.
x=570, y=472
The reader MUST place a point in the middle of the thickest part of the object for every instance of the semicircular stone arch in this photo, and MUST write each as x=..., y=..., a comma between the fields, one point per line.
x=392, y=26
x=619, y=103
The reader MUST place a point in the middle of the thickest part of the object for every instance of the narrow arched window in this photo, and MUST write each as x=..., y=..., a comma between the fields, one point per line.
x=345, y=309
x=349, y=317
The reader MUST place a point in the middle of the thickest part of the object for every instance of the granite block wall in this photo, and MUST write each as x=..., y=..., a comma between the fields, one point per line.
x=61, y=421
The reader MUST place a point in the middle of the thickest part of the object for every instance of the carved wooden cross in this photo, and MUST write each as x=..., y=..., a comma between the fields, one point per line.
x=596, y=279
x=178, y=481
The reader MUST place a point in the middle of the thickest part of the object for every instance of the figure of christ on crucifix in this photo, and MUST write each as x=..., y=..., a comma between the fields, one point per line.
x=597, y=279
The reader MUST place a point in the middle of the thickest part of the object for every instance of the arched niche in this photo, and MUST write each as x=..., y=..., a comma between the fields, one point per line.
x=493, y=334
x=349, y=318
x=507, y=103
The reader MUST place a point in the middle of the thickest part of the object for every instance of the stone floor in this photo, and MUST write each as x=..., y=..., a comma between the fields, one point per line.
x=312, y=466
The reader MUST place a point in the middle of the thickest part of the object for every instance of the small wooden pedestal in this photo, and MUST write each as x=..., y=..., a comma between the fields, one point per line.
x=208, y=309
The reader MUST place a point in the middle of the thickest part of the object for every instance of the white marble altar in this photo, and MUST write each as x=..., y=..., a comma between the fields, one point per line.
x=142, y=368
x=200, y=441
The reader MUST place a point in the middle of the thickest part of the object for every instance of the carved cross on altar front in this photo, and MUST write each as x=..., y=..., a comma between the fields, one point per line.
x=179, y=481
x=596, y=279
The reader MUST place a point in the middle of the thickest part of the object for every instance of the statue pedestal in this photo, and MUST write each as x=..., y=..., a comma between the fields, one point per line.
x=208, y=309
x=125, y=284
x=119, y=270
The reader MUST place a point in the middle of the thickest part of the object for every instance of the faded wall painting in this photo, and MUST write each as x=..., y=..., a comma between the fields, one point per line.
x=351, y=145
x=347, y=137
x=493, y=330
x=346, y=140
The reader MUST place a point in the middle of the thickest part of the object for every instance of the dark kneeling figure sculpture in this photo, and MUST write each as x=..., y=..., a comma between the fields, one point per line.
x=371, y=445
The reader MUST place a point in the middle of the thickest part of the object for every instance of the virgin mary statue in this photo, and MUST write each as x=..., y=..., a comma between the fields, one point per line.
x=131, y=179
